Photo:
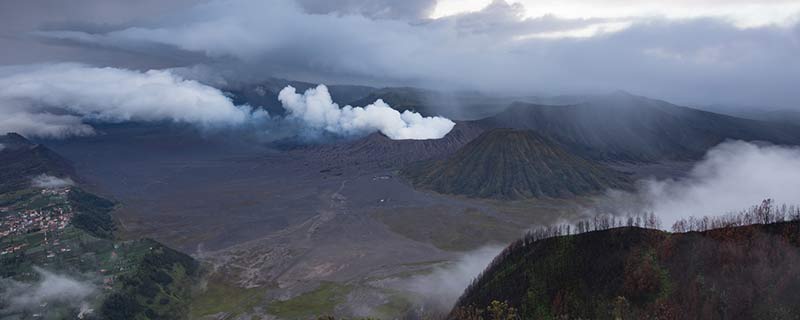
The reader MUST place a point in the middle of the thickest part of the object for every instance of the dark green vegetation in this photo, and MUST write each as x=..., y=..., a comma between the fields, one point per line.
x=748, y=272
x=514, y=164
x=138, y=279
x=157, y=287
x=623, y=127
x=20, y=160
x=74, y=236
x=93, y=214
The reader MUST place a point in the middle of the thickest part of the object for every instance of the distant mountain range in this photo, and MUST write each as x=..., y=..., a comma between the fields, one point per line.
x=624, y=127
x=592, y=131
x=513, y=164
x=21, y=160
x=745, y=272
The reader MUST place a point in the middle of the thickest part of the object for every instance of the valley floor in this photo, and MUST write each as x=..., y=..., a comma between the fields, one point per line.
x=291, y=235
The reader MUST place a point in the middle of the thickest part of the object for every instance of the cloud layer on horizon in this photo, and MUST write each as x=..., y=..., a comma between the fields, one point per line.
x=55, y=100
x=700, y=60
x=62, y=100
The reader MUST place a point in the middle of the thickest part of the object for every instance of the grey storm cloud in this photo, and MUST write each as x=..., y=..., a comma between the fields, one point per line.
x=386, y=9
x=692, y=60
x=483, y=50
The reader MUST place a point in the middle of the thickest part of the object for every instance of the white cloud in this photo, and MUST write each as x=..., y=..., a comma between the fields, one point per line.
x=315, y=109
x=50, y=182
x=733, y=176
x=51, y=288
x=442, y=287
x=54, y=100
x=745, y=13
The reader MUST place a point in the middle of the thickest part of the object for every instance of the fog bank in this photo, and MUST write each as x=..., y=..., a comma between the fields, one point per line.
x=732, y=176
x=441, y=288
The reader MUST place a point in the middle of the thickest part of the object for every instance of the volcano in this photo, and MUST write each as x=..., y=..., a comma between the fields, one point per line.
x=513, y=164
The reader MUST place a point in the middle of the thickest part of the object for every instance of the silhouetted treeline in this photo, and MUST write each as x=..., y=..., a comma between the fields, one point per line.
x=765, y=213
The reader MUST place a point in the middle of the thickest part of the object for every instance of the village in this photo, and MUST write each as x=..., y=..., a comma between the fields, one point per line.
x=48, y=213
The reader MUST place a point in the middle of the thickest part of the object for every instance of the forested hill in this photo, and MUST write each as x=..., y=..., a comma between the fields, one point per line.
x=748, y=272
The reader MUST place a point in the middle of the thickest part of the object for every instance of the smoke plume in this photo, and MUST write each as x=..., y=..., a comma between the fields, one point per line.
x=50, y=182
x=55, y=100
x=316, y=110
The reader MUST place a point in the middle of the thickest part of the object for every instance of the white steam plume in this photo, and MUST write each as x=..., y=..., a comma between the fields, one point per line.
x=316, y=110
x=50, y=182
x=53, y=100
x=733, y=176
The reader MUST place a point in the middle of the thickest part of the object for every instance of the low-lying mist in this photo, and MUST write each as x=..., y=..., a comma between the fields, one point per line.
x=441, y=288
x=50, y=182
x=732, y=176
x=51, y=289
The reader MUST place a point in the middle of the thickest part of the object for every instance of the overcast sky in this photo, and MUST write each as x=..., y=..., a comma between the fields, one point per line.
x=739, y=52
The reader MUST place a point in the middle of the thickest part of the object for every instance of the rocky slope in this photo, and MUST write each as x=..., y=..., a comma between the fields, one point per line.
x=21, y=160
x=513, y=164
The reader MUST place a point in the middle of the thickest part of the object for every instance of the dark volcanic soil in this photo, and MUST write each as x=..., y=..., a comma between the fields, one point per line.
x=284, y=219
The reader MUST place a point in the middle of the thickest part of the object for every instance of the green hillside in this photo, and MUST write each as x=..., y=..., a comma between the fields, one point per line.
x=68, y=234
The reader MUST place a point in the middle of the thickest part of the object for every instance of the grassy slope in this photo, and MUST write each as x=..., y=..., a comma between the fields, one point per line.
x=318, y=302
x=736, y=273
